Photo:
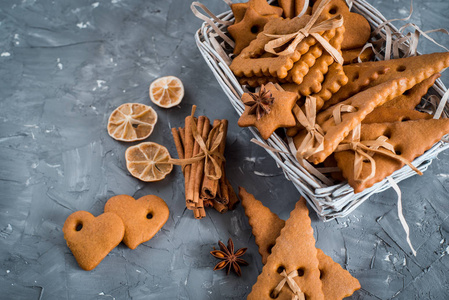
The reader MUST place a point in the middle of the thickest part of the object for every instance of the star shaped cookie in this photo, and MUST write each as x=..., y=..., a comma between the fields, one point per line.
x=261, y=6
x=279, y=114
x=247, y=30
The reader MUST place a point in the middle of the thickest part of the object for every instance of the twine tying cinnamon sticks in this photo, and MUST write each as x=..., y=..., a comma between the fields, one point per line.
x=200, y=149
x=312, y=29
x=288, y=278
x=371, y=147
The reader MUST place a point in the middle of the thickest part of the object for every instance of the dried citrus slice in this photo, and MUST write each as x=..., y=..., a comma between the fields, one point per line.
x=148, y=161
x=132, y=122
x=167, y=91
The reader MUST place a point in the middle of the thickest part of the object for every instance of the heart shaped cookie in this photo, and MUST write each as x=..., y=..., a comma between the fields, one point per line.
x=91, y=238
x=143, y=217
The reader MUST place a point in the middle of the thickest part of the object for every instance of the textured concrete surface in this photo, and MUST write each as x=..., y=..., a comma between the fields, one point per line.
x=66, y=65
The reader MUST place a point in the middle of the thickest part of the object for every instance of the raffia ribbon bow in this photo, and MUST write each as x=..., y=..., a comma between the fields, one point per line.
x=310, y=29
x=209, y=149
x=288, y=278
x=315, y=134
x=371, y=147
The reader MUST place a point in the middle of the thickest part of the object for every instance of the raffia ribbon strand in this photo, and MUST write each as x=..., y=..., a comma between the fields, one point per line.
x=201, y=16
x=315, y=134
x=342, y=108
x=371, y=147
x=297, y=293
x=310, y=29
x=404, y=224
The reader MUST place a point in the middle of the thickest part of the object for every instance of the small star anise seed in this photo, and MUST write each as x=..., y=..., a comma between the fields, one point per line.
x=261, y=103
x=229, y=258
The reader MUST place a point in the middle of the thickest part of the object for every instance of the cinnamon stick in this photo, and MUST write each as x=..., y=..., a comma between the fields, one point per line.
x=182, y=135
x=223, y=187
x=199, y=211
x=196, y=150
x=178, y=143
x=200, y=165
x=188, y=151
x=208, y=202
x=220, y=207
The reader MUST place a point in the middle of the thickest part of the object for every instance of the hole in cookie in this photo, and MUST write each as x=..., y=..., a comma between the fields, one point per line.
x=401, y=69
x=255, y=29
x=149, y=215
x=280, y=269
x=270, y=247
x=387, y=133
x=398, y=151
x=321, y=274
x=79, y=226
x=333, y=10
x=272, y=295
x=300, y=272
x=356, y=76
x=405, y=119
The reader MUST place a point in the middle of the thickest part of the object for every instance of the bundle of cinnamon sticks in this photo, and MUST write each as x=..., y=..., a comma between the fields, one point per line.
x=201, y=147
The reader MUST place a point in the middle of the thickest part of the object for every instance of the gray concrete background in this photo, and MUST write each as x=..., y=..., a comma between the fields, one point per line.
x=66, y=65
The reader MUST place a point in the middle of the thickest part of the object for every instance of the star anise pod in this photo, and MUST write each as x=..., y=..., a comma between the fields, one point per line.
x=229, y=258
x=261, y=103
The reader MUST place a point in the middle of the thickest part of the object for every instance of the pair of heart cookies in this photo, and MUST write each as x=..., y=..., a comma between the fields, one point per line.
x=125, y=219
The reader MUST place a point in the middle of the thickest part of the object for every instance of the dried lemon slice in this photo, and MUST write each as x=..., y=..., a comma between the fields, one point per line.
x=148, y=161
x=167, y=91
x=132, y=122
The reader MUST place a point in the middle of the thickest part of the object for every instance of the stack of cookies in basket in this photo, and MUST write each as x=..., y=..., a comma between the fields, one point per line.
x=293, y=267
x=359, y=117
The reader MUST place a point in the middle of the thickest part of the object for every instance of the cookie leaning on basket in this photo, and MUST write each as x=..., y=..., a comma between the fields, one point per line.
x=266, y=226
x=294, y=268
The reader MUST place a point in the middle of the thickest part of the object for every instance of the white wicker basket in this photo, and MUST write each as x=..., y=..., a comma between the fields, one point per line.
x=328, y=200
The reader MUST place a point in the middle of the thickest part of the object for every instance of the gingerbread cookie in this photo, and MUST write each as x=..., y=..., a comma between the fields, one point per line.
x=351, y=56
x=251, y=61
x=266, y=227
x=260, y=6
x=392, y=114
x=334, y=80
x=247, y=30
x=412, y=97
x=358, y=30
x=257, y=81
x=268, y=110
x=143, y=217
x=91, y=238
x=361, y=105
x=296, y=260
x=315, y=62
x=410, y=139
x=368, y=74
x=292, y=8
